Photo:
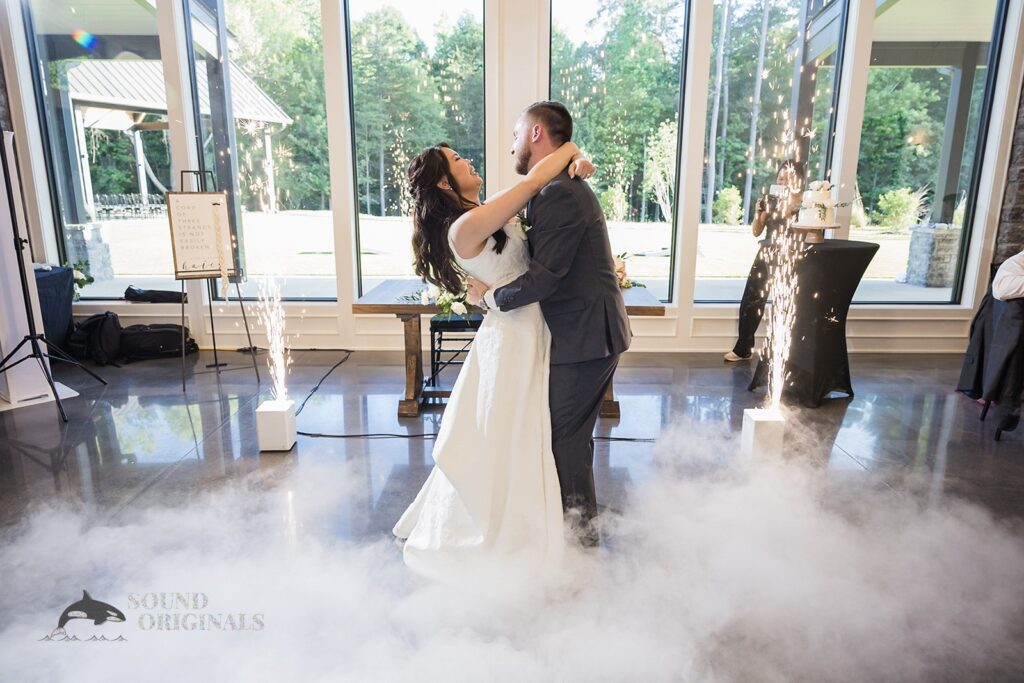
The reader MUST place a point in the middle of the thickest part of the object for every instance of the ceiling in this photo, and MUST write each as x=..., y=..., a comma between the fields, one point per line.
x=935, y=20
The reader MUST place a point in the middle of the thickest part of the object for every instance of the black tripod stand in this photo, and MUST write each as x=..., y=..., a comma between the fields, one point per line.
x=35, y=340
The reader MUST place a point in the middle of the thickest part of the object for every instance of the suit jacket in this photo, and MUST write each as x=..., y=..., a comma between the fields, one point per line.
x=572, y=274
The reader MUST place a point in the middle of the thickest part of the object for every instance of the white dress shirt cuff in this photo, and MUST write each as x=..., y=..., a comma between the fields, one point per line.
x=489, y=300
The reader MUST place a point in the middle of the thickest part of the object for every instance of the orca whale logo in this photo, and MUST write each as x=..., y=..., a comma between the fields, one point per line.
x=87, y=608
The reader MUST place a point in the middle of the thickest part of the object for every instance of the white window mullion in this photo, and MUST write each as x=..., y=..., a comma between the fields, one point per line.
x=340, y=155
x=691, y=165
x=853, y=88
x=27, y=134
x=494, y=140
x=522, y=62
x=174, y=51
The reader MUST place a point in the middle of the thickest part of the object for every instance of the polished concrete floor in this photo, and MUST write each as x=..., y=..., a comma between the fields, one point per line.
x=888, y=544
x=140, y=441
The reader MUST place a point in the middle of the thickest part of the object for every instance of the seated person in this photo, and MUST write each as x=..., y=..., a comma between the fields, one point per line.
x=1009, y=280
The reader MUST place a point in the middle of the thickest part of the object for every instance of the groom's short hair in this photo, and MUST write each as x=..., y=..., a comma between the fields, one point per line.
x=555, y=118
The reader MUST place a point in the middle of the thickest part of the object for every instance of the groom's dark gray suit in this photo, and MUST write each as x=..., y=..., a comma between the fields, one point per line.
x=572, y=275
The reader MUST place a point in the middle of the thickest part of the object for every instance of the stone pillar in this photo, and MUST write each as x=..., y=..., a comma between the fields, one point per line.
x=931, y=261
x=1010, y=235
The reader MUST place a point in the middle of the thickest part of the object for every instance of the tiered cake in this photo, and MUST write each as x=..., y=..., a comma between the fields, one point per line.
x=817, y=212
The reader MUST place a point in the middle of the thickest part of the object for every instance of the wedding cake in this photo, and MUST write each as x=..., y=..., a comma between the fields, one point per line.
x=818, y=209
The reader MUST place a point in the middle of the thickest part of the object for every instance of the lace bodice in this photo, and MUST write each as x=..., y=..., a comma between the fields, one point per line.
x=498, y=269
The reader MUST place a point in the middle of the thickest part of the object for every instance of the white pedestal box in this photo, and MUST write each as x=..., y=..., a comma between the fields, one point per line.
x=275, y=425
x=763, y=432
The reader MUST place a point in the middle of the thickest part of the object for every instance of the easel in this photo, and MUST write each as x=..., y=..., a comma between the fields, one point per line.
x=233, y=273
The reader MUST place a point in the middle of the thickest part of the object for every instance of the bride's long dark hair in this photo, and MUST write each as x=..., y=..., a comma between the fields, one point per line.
x=434, y=211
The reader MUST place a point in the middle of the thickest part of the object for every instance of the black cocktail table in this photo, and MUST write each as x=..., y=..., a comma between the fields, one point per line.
x=828, y=275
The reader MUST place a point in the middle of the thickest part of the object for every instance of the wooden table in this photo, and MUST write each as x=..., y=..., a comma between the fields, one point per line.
x=390, y=297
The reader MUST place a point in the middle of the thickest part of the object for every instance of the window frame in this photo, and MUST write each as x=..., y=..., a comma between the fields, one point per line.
x=28, y=23
x=995, y=52
x=971, y=199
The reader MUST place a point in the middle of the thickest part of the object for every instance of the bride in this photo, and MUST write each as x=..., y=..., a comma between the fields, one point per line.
x=492, y=502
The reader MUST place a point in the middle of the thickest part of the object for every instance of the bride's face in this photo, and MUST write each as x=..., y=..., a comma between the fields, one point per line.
x=465, y=175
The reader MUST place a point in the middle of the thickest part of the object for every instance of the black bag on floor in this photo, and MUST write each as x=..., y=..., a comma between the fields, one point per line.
x=153, y=296
x=143, y=342
x=97, y=338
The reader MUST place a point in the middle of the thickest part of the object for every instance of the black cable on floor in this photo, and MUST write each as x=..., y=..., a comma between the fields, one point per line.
x=370, y=437
x=348, y=354
x=431, y=435
x=424, y=435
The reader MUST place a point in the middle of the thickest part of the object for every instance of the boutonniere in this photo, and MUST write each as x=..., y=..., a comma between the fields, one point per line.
x=519, y=220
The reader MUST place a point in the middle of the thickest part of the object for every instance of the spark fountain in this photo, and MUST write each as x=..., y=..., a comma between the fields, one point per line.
x=275, y=417
x=764, y=428
x=763, y=431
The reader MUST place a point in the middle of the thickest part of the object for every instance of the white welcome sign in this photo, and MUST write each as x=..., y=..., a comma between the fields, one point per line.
x=201, y=237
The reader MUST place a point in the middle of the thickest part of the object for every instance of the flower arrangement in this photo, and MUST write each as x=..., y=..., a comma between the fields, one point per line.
x=450, y=304
x=80, y=273
x=620, y=273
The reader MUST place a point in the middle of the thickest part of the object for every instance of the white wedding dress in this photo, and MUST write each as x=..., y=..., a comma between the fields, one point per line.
x=492, y=503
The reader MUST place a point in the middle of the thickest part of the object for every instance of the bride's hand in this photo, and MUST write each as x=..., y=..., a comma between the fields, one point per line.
x=581, y=167
x=475, y=290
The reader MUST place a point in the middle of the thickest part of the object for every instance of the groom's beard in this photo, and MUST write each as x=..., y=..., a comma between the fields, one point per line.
x=523, y=161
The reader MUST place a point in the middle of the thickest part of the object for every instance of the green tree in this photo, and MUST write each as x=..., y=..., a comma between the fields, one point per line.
x=111, y=162
x=660, y=172
x=728, y=206
x=719, y=87
x=278, y=44
x=396, y=99
x=620, y=91
x=303, y=177
x=901, y=136
x=458, y=70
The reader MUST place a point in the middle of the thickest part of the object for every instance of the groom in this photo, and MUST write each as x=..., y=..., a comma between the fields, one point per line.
x=572, y=275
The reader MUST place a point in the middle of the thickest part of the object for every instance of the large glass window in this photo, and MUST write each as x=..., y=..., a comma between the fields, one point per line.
x=272, y=156
x=772, y=85
x=616, y=66
x=417, y=79
x=105, y=111
x=927, y=84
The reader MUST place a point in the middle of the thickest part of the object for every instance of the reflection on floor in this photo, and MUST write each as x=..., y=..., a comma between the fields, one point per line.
x=140, y=441
x=163, y=491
